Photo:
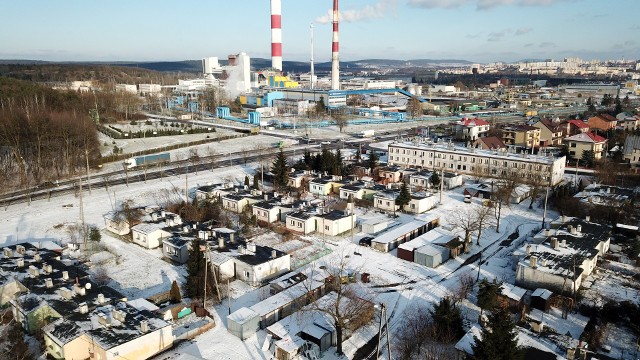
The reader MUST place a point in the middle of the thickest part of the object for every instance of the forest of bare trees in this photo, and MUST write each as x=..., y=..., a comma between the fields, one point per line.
x=45, y=135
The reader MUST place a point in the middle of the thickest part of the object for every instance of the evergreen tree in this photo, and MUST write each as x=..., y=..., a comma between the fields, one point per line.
x=373, y=161
x=499, y=339
x=246, y=181
x=435, y=179
x=626, y=102
x=174, y=294
x=404, y=197
x=358, y=156
x=589, y=101
x=280, y=171
x=447, y=321
x=338, y=163
x=488, y=294
x=94, y=234
x=256, y=182
x=308, y=161
x=195, y=271
x=588, y=157
x=327, y=161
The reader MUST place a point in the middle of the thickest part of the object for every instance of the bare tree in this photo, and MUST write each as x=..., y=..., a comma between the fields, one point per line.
x=353, y=306
x=128, y=212
x=504, y=188
x=466, y=219
x=537, y=183
x=414, y=107
x=483, y=213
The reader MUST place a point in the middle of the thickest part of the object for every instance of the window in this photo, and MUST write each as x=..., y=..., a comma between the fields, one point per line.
x=326, y=227
x=299, y=224
x=246, y=274
x=572, y=144
x=388, y=203
x=292, y=223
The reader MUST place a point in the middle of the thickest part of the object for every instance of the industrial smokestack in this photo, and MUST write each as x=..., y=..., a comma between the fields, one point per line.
x=312, y=65
x=276, y=34
x=335, y=47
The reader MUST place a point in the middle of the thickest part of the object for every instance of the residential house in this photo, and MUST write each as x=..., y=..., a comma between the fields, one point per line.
x=560, y=258
x=521, y=136
x=108, y=332
x=389, y=174
x=176, y=249
x=272, y=210
x=301, y=222
x=578, y=144
x=471, y=129
x=631, y=150
x=577, y=127
x=357, y=190
x=602, y=122
x=489, y=143
x=421, y=202
x=326, y=185
x=298, y=178
x=422, y=180
x=470, y=161
x=552, y=131
x=386, y=200
x=335, y=222
x=631, y=123
x=238, y=200
x=213, y=191
x=256, y=264
x=149, y=235
x=116, y=223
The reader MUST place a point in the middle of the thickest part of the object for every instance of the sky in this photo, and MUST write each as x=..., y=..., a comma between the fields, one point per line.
x=476, y=30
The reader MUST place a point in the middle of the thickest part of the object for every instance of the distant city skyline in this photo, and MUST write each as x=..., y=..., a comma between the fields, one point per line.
x=475, y=30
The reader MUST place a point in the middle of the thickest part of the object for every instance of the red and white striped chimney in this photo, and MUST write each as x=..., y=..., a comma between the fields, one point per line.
x=335, y=47
x=276, y=34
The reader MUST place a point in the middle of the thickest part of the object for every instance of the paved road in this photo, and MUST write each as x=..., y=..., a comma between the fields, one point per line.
x=131, y=176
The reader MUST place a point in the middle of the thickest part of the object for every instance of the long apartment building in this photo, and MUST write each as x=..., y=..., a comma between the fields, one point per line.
x=464, y=160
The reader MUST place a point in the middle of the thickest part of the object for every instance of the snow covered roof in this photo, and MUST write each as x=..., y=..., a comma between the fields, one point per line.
x=468, y=340
x=587, y=138
x=142, y=304
x=242, y=315
x=285, y=297
x=542, y=293
x=512, y=292
x=148, y=228
x=437, y=235
x=431, y=250
x=399, y=231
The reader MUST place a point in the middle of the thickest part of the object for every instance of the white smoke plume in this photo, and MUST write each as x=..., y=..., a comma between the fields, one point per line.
x=374, y=11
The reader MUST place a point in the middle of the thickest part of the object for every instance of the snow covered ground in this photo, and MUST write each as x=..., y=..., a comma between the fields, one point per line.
x=400, y=285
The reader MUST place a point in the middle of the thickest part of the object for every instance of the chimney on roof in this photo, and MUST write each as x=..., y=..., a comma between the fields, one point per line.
x=48, y=282
x=20, y=249
x=103, y=319
x=20, y=262
x=533, y=261
x=232, y=238
x=528, y=249
x=37, y=257
x=65, y=275
x=83, y=308
x=554, y=243
x=587, y=218
x=100, y=298
x=547, y=232
x=118, y=315
x=144, y=326
x=578, y=229
x=220, y=242
x=274, y=254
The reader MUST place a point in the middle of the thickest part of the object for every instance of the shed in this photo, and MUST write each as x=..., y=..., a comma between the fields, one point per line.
x=431, y=255
x=389, y=240
x=512, y=296
x=243, y=323
x=540, y=299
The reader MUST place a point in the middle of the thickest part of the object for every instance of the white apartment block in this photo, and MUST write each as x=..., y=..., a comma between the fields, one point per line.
x=463, y=160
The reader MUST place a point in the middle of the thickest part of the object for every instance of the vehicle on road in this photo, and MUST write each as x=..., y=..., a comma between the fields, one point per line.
x=147, y=160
